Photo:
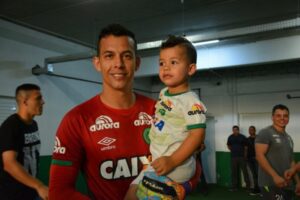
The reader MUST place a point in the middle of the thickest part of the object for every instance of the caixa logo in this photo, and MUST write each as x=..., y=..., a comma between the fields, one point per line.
x=104, y=122
x=58, y=148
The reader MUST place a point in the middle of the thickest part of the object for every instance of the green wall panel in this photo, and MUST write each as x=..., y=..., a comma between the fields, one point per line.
x=223, y=168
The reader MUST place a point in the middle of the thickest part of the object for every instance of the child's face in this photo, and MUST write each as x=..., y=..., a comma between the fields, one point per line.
x=175, y=68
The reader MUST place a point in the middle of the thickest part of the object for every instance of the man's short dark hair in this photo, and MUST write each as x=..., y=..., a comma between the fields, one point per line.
x=27, y=87
x=116, y=30
x=173, y=41
x=235, y=126
x=280, y=107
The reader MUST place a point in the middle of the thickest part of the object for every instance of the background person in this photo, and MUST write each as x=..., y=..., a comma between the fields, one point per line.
x=20, y=148
x=251, y=160
x=237, y=144
x=274, y=153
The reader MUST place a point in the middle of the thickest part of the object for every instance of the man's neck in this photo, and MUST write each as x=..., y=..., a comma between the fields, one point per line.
x=118, y=99
x=25, y=117
x=279, y=129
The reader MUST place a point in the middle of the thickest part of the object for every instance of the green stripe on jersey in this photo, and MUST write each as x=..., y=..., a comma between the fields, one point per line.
x=194, y=126
x=61, y=162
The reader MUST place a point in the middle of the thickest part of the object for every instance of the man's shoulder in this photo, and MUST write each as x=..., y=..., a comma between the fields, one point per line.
x=144, y=99
x=265, y=131
x=82, y=107
x=11, y=119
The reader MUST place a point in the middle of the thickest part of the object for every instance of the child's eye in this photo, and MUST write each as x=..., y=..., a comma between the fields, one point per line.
x=173, y=62
x=161, y=64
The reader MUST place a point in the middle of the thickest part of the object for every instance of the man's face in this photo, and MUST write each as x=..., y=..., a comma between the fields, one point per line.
x=280, y=118
x=117, y=62
x=251, y=131
x=34, y=102
x=236, y=131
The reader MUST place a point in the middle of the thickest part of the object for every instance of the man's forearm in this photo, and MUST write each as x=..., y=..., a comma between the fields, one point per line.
x=265, y=165
x=17, y=171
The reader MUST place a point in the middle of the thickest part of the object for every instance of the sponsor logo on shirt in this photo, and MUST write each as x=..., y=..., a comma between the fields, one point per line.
x=106, y=142
x=58, y=148
x=143, y=119
x=167, y=104
x=104, y=122
x=196, y=109
x=31, y=137
x=122, y=168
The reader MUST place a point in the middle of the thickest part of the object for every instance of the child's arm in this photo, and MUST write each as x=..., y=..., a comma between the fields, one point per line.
x=165, y=164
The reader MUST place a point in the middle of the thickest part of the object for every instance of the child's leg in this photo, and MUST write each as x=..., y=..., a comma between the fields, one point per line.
x=131, y=193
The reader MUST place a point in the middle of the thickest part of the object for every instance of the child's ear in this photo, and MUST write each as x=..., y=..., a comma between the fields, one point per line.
x=192, y=69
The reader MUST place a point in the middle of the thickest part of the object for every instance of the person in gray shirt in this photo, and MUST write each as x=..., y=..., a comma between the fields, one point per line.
x=274, y=153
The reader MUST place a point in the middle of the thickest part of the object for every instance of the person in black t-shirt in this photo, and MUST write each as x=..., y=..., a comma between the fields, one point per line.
x=251, y=160
x=237, y=144
x=20, y=147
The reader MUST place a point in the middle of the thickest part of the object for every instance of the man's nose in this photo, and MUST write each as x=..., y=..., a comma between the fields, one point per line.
x=119, y=62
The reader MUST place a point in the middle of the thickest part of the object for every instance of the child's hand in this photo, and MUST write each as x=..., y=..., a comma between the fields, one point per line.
x=288, y=174
x=163, y=165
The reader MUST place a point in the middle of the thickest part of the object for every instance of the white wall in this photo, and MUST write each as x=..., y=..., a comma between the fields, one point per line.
x=18, y=56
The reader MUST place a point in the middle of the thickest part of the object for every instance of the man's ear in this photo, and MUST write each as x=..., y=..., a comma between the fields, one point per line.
x=137, y=62
x=192, y=69
x=96, y=63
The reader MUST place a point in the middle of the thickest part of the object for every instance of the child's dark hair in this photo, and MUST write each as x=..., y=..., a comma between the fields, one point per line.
x=173, y=41
x=116, y=30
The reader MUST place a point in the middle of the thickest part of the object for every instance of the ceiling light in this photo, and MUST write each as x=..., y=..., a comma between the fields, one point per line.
x=205, y=42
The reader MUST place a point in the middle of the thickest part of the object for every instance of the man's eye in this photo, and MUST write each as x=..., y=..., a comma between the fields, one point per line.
x=108, y=55
x=128, y=56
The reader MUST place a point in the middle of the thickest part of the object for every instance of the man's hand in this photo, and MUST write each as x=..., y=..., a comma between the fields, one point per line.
x=288, y=174
x=280, y=182
x=163, y=165
x=43, y=191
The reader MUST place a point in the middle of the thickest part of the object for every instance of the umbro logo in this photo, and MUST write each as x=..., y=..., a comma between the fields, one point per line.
x=104, y=122
x=106, y=142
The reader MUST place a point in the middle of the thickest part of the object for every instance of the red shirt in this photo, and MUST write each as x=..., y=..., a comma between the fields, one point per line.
x=109, y=145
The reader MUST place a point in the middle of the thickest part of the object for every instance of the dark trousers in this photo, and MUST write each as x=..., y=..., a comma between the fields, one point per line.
x=253, y=165
x=238, y=163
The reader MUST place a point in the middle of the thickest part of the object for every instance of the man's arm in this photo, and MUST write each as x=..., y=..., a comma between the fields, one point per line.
x=17, y=171
x=165, y=164
x=62, y=183
x=261, y=150
x=297, y=180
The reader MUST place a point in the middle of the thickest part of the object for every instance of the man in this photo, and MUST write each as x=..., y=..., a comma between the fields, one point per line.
x=237, y=144
x=274, y=153
x=20, y=146
x=251, y=160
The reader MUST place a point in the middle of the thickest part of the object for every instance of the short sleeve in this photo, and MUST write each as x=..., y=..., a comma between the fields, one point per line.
x=9, y=135
x=194, y=111
x=263, y=137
